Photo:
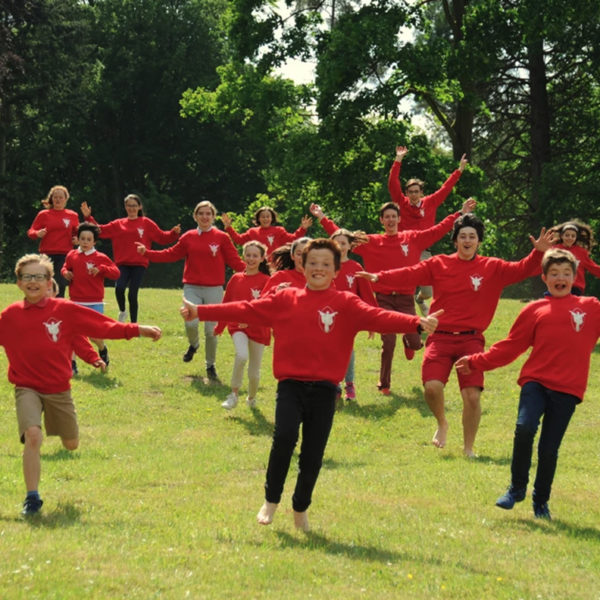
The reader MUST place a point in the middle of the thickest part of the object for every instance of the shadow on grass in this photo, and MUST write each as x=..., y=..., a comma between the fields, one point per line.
x=257, y=425
x=62, y=454
x=479, y=459
x=63, y=516
x=558, y=526
x=389, y=406
x=202, y=385
x=100, y=380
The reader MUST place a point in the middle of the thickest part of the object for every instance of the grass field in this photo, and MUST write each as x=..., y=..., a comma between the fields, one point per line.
x=160, y=499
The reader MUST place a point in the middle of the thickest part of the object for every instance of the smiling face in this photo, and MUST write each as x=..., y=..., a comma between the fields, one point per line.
x=132, y=208
x=34, y=289
x=86, y=240
x=252, y=257
x=414, y=193
x=467, y=243
x=559, y=279
x=205, y=217
x=390, y=219
x=265, y=218
x=319, y=269
x=297, y=256
x=568, y=237
x=344, y=243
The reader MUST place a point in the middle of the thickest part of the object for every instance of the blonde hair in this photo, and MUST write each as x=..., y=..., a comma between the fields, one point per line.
x=203, y=204
x=30, y=259
x=47, y=201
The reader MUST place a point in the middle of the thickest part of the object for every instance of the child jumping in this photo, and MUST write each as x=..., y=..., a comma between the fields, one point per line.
x=313, y=330
x=562, y=330
x=38, y=335
x=249, y=340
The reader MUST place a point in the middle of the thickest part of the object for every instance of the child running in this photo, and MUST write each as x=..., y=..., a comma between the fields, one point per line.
x=85, y=269
x=267, y=230
x=38, y=335
x=313, y=330
x=578, y=238
x=562, y=330
x=249, y=340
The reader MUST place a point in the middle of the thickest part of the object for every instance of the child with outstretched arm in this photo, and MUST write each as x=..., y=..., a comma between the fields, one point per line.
x=562, y=330
x=313, y=331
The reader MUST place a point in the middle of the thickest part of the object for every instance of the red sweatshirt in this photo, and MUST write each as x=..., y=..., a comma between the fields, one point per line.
x=421, y=216
x=403, y=249
x=584, y=263
x=313, y=331
x=272, y=237
x=562, y=333
x=85, y=287
x=61, y=226
x=39, y=340
x=124, y=233
x=346, y=281
x=467, y=290
x=294, y=278
x=205, y=252
x=85, y=351
x=245, y=287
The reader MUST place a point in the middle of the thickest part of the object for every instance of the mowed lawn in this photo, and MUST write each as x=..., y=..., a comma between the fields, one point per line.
x=160, y=499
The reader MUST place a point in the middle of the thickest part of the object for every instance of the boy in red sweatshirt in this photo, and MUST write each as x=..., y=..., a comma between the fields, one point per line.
x=43, y=327
x=562, y=330
x=313, y=331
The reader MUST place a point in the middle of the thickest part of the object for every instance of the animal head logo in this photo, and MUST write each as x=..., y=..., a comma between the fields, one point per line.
x=140, y=231
x=404, y=249
x=89, y=265
x=255, y=293
x=53, y=329
x=350, y=281
x=214, y=248
x=422, y=211
x=67, y=223
x=327, y=317
x=476, y=282
x=577, y=319
x=270, y=239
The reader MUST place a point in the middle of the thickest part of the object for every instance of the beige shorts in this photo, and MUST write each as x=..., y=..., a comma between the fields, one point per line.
x=60, y=417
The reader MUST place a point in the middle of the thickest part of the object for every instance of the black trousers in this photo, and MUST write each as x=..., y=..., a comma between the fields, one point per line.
x=312, y=404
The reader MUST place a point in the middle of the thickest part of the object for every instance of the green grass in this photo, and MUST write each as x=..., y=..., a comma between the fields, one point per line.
x=160, y=500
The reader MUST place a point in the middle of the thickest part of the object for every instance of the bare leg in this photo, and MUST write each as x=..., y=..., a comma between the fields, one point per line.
x=70, y=444
x=301, y=520
x=266, y=512
x=470, y=418
x=434, y=396
x=32, y=467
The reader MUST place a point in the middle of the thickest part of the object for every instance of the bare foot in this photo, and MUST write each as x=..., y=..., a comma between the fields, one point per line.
x=266, y=512
x=469, y=453
x=439, y=438
x=301, y=521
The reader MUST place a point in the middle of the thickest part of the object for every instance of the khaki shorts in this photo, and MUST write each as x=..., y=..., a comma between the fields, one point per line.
x=60, y=417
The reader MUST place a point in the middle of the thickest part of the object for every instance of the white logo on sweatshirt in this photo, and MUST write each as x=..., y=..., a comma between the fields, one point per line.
x=422, y=211
x=270, y=239
x=53, y=329
x=350, y=280
x=578, y=318
x=404, y=249
x=89, y=266
x=67, y=222
x=255, y=293
x=214, y=248
x=327, y=318
x=476, y=282
x=140, y=232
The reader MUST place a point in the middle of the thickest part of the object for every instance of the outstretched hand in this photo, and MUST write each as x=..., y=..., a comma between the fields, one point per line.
x=545, y=241
x=99, y=364
x=150, y=331
x=86, y=209
x=462, y=365
x=463, y=163
x=430, y=322
x=468, y=206
x=316, y=211
x=401, y=152
x=306, y=222
x=366, y=275
x=188, y=311
x=226, y=219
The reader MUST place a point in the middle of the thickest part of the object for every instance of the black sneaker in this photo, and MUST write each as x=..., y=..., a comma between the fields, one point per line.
x=104, y=355
x=31, y=506
x=507, y=501
x=74, y=367
x=211, y=373
x=187, y=357
x=541, y=511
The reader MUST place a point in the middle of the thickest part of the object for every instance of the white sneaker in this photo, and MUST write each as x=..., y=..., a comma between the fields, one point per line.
x=230, y=402
x=251, y=402
x=122, y=316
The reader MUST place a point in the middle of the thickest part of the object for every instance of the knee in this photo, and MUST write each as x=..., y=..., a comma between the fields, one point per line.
x=432, y=389
x=33, y=437
x=70, y=444
x=472, y=398
x=525, y=431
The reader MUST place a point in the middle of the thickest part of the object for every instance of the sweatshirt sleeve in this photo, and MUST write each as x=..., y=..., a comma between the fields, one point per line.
x=328, y=225
x=374, y=318
x=438, y=197
x=418, y=274
x=514, y=271
x=176, y=252
x=394, y=187
x=428, y=237
x=256, y=312
x=161, y=236
x=37, y=224
x=85, y=351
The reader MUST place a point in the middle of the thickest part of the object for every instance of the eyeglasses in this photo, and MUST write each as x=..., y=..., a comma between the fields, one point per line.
x=33, y=277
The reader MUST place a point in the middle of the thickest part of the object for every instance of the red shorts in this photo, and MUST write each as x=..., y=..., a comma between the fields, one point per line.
x=443, y=350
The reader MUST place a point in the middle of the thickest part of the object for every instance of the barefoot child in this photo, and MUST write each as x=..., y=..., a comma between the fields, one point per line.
x=313, y=331
x=249, y=340
x=85, y=269
x=562, y=330
x=38, y=334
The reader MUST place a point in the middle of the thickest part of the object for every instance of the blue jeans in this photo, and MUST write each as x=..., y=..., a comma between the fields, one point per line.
x=557, y=408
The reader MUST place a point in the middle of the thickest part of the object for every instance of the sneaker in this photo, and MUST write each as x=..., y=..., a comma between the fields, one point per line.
x=122, y=316
x=230, y=402
x=385, y=391
x=189, y=353
x=423, y=308
x=350, y=391
x=104, y=355
x=408, y=352
x=541, y=511
x=211, y=373
x=74, y=367
x=508, y=500
x=32, y=506
x=251, y=402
